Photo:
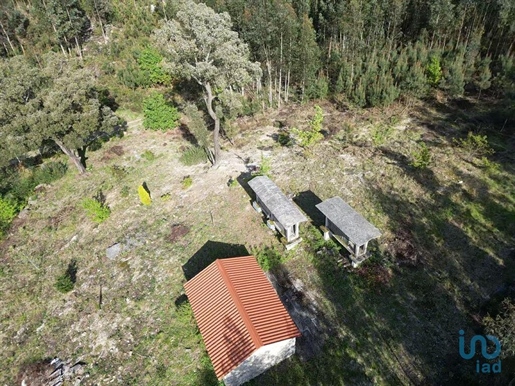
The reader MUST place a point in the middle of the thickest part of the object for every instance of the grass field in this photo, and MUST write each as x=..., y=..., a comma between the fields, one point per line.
x=447, y=247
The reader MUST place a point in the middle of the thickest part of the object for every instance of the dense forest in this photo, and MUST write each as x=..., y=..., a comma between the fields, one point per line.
x=363, y=53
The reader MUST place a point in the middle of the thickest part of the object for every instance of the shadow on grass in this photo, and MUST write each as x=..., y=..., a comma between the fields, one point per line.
x=306, y=201
x=208, y=253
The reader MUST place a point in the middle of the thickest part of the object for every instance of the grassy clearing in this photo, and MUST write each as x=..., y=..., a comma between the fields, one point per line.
x=447, y=232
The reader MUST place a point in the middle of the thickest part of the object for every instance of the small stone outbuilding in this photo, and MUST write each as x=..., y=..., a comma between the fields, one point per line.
x=245, y=327
x=348, y=227
x=278, y=208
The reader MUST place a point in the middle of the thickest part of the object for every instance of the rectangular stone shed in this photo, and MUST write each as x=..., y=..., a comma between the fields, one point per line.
x=277, y=207
x=245, y=327
x=349, y=227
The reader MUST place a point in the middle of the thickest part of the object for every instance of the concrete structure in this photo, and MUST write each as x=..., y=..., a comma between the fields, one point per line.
x=348, y=227
x=278, y=208
x=245, y=327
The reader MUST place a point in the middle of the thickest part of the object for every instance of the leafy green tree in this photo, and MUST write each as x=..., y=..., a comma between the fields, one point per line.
x=307, y=56
x=159, y=115
x=101, y=11
x=200, y=45
x=434, y=71
x=21, y=102
x=484, y=76
x=454, y=77
x=197, y=127
x=58, y=104
x=69, y=22
x=13, y=28
x=72, y=116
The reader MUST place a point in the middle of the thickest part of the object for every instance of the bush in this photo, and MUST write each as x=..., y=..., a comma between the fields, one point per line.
x=49, y=172
x=187, y=182
x=144, y=194
x=421, y=157
x=312, y=135
x=434, y=71
x=158, y=115
x=96, y=209
x=268, y=258
x=193, y=155
x=284, y=138
x=149, y=61
x=7, y=213
x=264, y=168
x=66, y=281
x=475, y=145
x=503, y=326
x=18, y=186
x=64, y=284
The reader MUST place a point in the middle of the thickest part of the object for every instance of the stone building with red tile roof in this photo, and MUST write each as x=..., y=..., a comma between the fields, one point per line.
x=245, y=327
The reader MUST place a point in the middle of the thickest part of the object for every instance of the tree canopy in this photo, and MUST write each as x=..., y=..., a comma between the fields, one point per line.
x=199, y=44
x=56, y=103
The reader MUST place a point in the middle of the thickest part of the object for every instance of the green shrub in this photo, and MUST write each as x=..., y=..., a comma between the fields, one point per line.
x=421, y=157
x=159, y=115
x=434, y=71
x=309, y=137
x=193, y=155
x=18, y=185
x=97, y=210
x=475, y=145
x=7, y=213
x=49, y=172
x=502, y=326
x=381, y=134
x=149, y=61
x=66, y=281
x=490, y=166
x=284, y=138
x=264, y=168
x=144, y=195
x=187, y=182
x=268, y=258
x=64, y=284
x=148, y=155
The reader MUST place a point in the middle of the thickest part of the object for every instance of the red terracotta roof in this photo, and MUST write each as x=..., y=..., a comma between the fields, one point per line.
x=237, y=311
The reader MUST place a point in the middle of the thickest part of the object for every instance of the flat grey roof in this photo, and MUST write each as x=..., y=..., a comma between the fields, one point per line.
x=350, y=222
x=283, y=209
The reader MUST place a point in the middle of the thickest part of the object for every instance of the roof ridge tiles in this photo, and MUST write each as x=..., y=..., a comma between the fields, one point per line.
x=241, y=310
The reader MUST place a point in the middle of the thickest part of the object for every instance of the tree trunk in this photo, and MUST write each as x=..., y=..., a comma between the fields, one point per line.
x=269, y=69
x=55, y=29
x=216, y=133
x=104, y=33
x=75, y=159
x=7, y=37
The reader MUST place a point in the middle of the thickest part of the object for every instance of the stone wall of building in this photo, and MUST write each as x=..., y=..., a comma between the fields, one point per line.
x=260, y=361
